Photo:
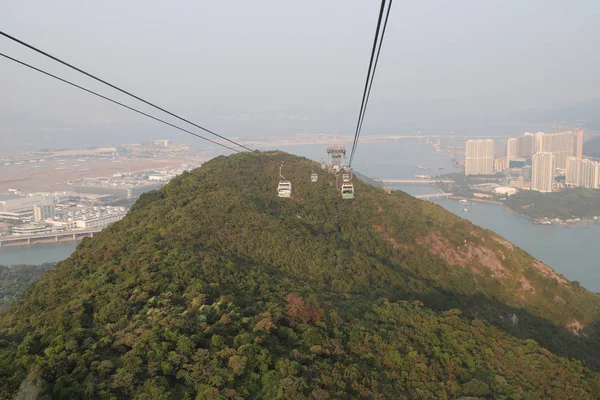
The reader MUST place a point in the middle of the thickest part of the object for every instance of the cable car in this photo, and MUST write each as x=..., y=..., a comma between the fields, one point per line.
x=284, y=189
x=346, y=177
x=314, y=177
x=347, y=191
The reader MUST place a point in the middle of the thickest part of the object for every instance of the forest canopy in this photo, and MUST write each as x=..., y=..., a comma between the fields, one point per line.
x=215, y=288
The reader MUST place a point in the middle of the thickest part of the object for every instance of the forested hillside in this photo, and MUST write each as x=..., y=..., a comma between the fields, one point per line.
x=13, y=280
x=215, y=288
x=569, y=203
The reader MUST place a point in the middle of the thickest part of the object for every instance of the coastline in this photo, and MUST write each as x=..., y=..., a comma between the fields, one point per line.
x=581, y=223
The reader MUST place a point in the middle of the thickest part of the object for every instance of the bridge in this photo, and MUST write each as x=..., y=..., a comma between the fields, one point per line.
x=434, y=196
x=411, y=181
x=46, y=237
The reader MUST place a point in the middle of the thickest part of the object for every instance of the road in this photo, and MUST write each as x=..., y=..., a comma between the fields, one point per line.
x=46, y=237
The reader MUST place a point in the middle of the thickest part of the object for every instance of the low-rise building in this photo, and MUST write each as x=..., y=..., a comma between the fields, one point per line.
x=30, y=229
x=500, y=164
x=100, y=220
x=505, y=190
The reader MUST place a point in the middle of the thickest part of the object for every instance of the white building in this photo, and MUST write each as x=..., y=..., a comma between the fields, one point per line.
x=505, y=190
x=101, y=221
x=479, y=157
x=537, y=145
x=542, y=172
x=42, y=212
x=161, y=142
x=561, y=145
x=20, y=208
x=586, y=173
x=582, y=172
x=30, y=229
x=500, y=164
x=572, y=172
x=512, y=149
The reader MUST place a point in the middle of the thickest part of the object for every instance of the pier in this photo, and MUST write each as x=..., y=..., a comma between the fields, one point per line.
x=434, y=196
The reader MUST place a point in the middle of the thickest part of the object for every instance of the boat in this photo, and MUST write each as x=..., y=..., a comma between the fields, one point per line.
x=422, y=176
x=464, y=201
x=421, y=167
x=465, y=209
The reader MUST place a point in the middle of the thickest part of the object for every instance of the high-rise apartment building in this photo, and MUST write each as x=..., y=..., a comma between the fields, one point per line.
x=578, y=142
x=479, y=157
x=572, y=172
x=525, y=145
x=561, y=144
x=584, y=173
x=542, y=172
x=537, y=142
x=500, y=164
x=512, y=149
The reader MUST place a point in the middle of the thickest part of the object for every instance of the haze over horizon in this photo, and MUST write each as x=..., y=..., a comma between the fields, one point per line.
x=468, y=66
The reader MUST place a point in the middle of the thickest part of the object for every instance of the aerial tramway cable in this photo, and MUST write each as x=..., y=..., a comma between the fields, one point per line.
x=362, y=103
x=119, y=89
x=377, y=44
x=116, y=102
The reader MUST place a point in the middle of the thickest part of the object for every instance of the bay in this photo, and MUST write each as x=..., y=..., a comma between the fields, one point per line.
x=36, y=254
x=570, y=251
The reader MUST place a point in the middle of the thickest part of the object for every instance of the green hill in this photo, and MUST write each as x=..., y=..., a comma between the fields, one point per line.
x=215, y=288
x=13, y=280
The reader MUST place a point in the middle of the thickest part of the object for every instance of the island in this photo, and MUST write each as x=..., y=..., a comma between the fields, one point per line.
x=570, y=206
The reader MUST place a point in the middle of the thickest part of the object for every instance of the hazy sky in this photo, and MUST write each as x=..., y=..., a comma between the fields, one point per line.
x=277, y=67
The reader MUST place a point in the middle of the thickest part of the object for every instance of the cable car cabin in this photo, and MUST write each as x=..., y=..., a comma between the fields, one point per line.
x=348, y=191
x=314, y=177
x=346, y=177
x=284, y=189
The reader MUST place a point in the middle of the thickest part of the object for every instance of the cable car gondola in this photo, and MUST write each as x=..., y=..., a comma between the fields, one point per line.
x=347, y=191
x=314, y=177
x=284, y=189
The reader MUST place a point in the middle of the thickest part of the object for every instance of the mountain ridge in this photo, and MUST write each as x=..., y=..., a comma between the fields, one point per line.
x=216, y=249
